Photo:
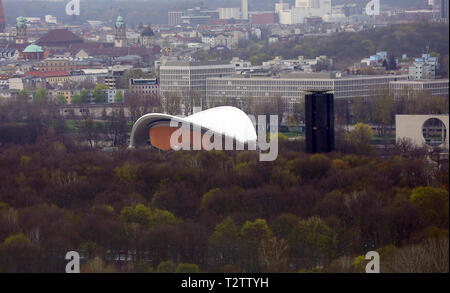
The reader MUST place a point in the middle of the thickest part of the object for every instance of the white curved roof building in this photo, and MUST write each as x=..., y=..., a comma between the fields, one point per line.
x=227, y=122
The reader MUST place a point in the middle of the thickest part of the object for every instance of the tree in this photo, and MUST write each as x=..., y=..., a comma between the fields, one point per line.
x=313, y=242
x=184, y=268
x=97, y=266
x=166, y=267
x=434, y=205
x=41, y=96
x=172, y=103
x=383, y=109
x=360, y=110
x=430, y=256
x=223, y=244
x=61, y=100
x=76, y=99
x=274, y=255
x=361, y=137
x=118, y=97
x=139, y=214
x=124, y=81
x=252, y=233
x=283, y=224
x=81, y=98
x=98, y=95
x=19, y=255
x=84, y=96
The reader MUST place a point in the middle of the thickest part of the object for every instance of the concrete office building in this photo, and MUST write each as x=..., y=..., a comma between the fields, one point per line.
x=437, y=87
x=182, y=76
x=291, y=87
x=423, y=68
x=304, y=9
x=230, y=13
x=244, y=9
x=175, y=17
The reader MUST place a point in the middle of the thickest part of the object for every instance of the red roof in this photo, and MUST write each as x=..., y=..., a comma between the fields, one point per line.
x=57, y=36
x=47, y=74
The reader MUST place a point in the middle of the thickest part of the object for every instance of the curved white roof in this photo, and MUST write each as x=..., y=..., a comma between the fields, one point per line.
x=226, y=120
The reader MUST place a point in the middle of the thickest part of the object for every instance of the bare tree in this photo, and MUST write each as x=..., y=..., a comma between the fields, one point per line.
x=431, y=256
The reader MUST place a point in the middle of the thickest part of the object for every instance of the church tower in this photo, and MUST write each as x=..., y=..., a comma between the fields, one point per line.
x=121, y=33
x=21, y=29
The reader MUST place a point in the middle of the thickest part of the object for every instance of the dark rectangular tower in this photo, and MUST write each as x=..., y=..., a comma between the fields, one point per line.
x=319, y=112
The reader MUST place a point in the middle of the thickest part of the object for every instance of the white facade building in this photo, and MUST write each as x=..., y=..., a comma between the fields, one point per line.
x=304, y=9
x=291, y=87
x=244, y=9
x=230, y=13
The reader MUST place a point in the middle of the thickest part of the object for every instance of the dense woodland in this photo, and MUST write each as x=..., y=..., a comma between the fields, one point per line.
x=147, y=211
x=346, y=48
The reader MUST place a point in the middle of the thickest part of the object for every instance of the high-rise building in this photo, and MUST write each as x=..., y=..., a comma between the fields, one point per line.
x=230, y=13
x=21, y=31
x=244, y=9
x=120, y=40
x=281, y=6
x=2, y=18
x=175, y=18
x=302, y=3
x=444, y=9
x=182, y=76
x=319, y=126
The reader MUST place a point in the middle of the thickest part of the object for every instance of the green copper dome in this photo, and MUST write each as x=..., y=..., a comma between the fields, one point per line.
x=33, y=49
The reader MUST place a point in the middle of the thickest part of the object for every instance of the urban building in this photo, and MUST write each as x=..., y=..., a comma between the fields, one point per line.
x=33, y=52
x=423, y=68
x=230, y=13
x=59, y=38
x=244, y=9
x=437, y=87
x=144, y=87
x=111, y=95
x=59, y=64
x=52, y=78
x=231, y=126
x=175, y=18
x=281, y=6
x=291, y=87
x=182, y=76
x=319, y=126
x=304, y=9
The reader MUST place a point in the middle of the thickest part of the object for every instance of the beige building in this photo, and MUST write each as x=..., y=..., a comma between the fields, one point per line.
x=291, y=87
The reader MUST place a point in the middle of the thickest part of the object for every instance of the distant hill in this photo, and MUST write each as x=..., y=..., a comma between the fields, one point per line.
x=347, y=48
